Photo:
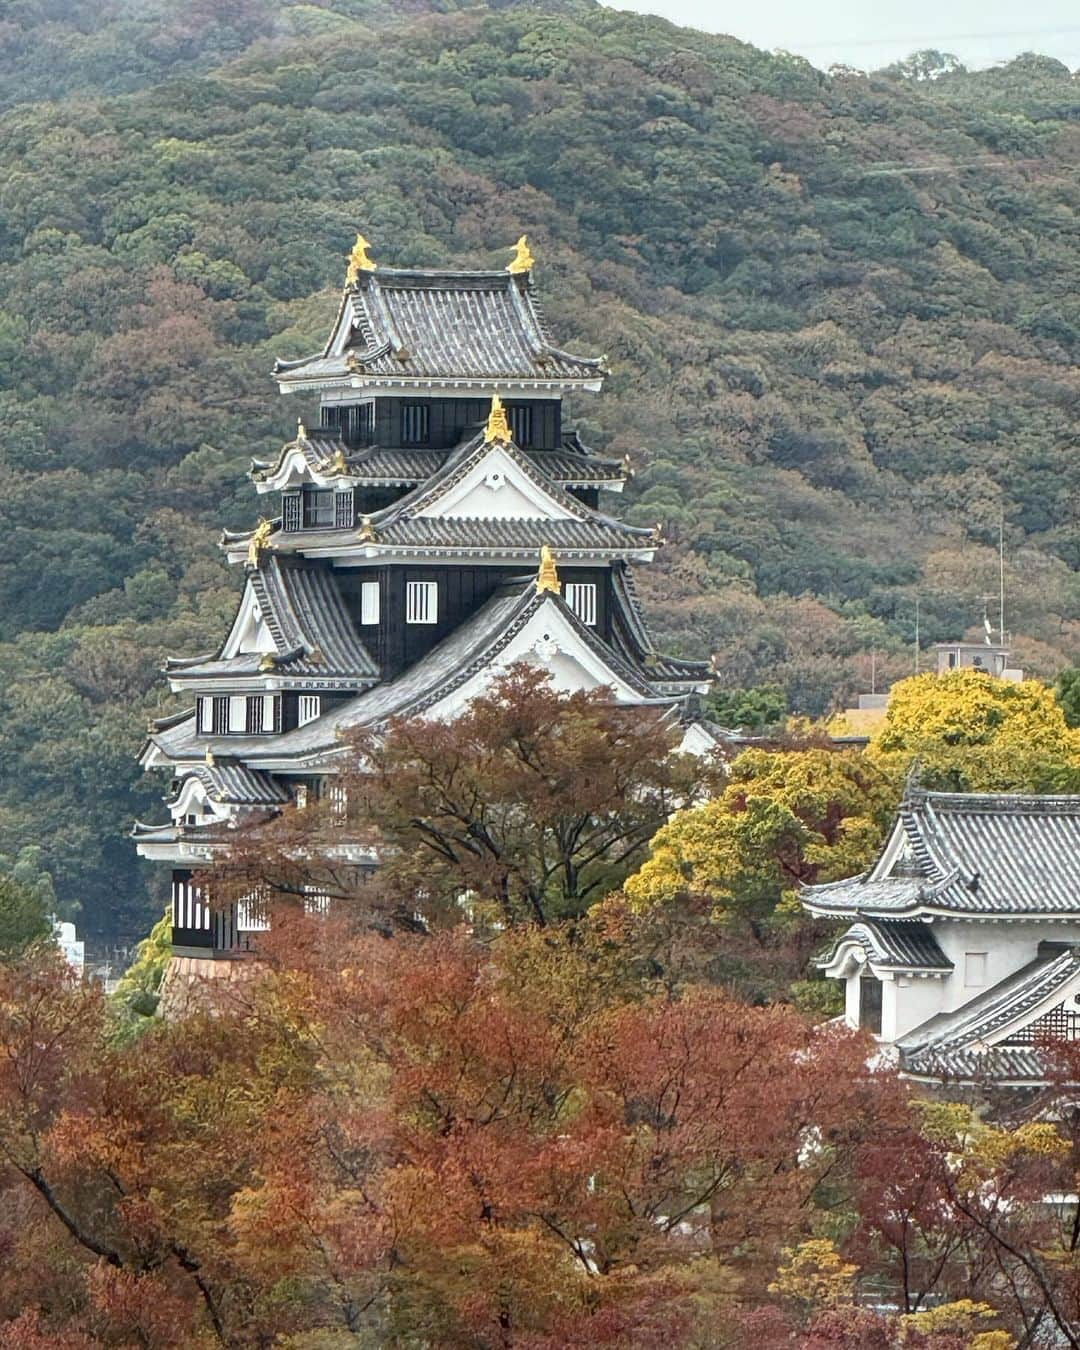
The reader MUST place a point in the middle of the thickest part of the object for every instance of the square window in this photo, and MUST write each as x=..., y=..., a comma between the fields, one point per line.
x=290, y=511
x=422, y=602
x=308, y=709
x=343, y=510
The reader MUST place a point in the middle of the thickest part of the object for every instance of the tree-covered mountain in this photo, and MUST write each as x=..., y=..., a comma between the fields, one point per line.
x=843, y=315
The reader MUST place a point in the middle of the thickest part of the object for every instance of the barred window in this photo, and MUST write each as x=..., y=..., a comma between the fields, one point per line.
x=415, y=422
x=316, y=901
x=358, y=423
x=254, y=715
x=343, y=510
x=369, y=602
x=422, y=602
x=220, y=724
x=520, y=418
x=309, y=707
x=581, y=597
x=290, y=511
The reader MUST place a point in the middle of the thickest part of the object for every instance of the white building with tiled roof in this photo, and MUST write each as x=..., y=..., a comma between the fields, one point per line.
x=963, y=953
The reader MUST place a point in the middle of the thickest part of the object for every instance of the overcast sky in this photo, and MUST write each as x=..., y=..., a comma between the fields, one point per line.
x=862, y=33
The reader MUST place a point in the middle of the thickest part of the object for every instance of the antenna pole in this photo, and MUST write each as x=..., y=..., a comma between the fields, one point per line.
x=1001, y=575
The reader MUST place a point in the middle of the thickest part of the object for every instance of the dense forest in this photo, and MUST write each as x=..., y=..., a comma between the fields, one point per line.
x=842, y=312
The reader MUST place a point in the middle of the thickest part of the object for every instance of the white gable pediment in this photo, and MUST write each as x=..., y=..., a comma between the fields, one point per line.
x=249, y=631
x=193, y=800
x=496, y=488
x=550, y=641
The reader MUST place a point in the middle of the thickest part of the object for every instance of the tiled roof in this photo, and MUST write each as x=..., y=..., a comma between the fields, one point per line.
x=972, y=853
x=393, y=466
x=903, y=944
x=518, y=536
x=631, y=637
x=958, y=1038
x=995, y=1066
x=413, y=324
x=307, y=618
x=403, y=524
x=474, y=646
x=227, y=780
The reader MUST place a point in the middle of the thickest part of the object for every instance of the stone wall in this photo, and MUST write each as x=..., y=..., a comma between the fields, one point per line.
x=196, y=983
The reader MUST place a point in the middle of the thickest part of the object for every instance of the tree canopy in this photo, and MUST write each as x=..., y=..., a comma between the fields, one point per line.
x=968, y=732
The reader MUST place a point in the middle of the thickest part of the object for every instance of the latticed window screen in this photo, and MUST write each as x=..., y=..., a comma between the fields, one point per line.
x=358, y=423
x=343, y=510
x=369, y=602
x=414, y=423
x=1059, y=1024
x=309, y=707
x=290, y=511
x=254, y=714
x=521, y=424
x=422, y=602
x=581, y=597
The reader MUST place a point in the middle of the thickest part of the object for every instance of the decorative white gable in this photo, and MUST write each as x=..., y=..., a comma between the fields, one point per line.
x=249, y=631
x=193, y=800
x=496, y=488
x=548, y=640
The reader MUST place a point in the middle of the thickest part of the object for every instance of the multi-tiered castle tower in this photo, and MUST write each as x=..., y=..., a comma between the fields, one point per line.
x=438, y=524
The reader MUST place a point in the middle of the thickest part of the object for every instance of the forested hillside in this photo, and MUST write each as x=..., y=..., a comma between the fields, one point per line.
x=843, y=315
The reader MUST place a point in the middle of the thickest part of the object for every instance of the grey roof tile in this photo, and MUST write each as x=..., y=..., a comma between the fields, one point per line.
x=907, y=944
x=974, y=853
x=307, y=618
x=960, y=1040
x=414, y=324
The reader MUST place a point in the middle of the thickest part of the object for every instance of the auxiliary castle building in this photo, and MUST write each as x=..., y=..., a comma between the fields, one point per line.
x=962, y=954
x=436, y=525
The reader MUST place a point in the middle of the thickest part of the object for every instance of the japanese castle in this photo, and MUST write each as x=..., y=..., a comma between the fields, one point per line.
x=963, y=953
x=438, y=524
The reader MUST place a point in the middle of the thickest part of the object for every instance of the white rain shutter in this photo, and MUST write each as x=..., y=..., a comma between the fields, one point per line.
x=237, y=714
x=369, y=602
x=270, y=720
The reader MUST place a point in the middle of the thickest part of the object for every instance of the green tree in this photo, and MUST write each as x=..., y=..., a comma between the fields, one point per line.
x=24, y=918
x=1067, y=690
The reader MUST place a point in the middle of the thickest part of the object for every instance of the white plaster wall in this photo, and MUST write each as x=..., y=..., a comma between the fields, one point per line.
x=916, y=1001
x=851, y=998
x=1008, y=946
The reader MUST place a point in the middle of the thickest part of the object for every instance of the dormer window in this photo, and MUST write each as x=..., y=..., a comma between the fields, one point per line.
x=415, y=424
